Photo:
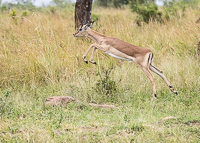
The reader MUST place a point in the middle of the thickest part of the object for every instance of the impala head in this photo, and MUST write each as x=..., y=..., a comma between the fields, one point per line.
x=82, y=30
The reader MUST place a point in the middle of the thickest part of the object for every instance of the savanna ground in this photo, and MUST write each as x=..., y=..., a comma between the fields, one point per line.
x=40, y=58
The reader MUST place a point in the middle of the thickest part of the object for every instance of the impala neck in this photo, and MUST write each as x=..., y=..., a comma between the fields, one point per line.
x=95, y=36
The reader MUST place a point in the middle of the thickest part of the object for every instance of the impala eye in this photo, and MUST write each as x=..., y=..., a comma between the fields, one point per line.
x=80, y=29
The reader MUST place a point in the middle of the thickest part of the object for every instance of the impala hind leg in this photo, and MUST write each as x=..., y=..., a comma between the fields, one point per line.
x=151, y=78
x=160, y=73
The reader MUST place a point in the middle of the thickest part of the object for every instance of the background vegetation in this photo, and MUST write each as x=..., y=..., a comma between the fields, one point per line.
x=40, y=58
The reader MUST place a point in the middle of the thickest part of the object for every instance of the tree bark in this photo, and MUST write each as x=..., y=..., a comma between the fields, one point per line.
x=82, y=12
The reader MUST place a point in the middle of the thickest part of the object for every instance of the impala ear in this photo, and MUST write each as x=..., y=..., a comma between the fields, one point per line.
x=90, y=24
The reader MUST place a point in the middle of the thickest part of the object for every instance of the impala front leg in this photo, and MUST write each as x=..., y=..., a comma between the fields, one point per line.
x=91, y=58
x=84, y=56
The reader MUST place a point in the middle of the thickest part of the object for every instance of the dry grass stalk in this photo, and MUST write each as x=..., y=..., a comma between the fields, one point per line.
x=102, y=105
x=169, y=117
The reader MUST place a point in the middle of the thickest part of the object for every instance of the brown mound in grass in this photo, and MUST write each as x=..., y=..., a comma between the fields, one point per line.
x=59, y=100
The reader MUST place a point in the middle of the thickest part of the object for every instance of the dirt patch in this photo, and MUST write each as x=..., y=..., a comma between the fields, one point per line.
x=59, y=100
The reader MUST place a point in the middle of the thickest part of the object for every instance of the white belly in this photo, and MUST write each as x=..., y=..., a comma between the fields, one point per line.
x=121, y=58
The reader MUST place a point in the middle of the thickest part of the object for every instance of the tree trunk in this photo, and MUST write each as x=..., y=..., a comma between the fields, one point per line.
x=82, y=12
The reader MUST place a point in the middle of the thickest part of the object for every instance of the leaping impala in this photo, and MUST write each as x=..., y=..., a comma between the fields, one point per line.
x=122, y=50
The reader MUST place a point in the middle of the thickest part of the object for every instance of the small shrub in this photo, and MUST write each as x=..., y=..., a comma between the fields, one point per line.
x=52, y=9
x=13, y=14
x=4, y=8
x=119, y=3
x=24, y=14
x=105, y=85
x=146, y=12
x=170, y=10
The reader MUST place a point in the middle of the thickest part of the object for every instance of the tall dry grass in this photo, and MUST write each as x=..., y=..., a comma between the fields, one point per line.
x=40, y=50
x=40, y=58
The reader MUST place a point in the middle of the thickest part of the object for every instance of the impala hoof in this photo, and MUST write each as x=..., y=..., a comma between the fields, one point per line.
x=95, y=63
x=86, y=62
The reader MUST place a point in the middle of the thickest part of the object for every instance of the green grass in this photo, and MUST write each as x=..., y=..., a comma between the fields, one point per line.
x=24, y=117
x=40, y=58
